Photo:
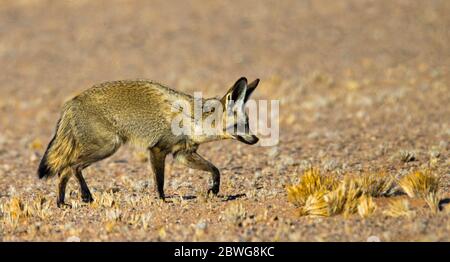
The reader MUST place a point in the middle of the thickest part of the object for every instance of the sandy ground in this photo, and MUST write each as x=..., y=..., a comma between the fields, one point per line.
x=359, y=82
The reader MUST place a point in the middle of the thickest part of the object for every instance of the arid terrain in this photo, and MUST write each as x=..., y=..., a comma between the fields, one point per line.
x=364, y=87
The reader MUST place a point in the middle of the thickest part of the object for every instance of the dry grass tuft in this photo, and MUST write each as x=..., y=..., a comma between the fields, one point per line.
x=353, y=192
x=235, y=214
x=399, y=208
x=310, y=183
x=12, y=212
x=366, y=206
x=139, y=220
x=15, y=211
x=422, y=184
x=432, y=199
x=419, y=184
x=321, y=195
x=376, y=184
x=336, y=200
x=105, y=199
x=407, y=156
x=315, y=205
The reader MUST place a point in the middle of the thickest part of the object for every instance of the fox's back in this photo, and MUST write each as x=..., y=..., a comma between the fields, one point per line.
x=137, y=110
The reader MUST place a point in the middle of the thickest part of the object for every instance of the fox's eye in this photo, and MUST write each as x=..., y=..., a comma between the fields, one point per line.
x=209, y=110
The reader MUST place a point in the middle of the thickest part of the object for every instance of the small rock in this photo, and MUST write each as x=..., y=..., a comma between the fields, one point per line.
x=373, y=239
x=73, y=239
x=201, y=225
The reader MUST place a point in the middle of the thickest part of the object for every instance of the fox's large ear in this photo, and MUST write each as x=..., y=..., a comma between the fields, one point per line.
x=237, y=93
x=250, y=88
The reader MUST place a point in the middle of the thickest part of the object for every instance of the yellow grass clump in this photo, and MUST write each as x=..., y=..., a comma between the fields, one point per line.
x=336, y=200
x=315, y=205
x=432, y=199
x=105, y=199
x=353, y=192
x=311, y=182
x=422, y=184
x=419, y=184
x=366, y=206
x=13, y=211
x=322, y=195
x=375, y=185
x=16, y=210
x=399, y=208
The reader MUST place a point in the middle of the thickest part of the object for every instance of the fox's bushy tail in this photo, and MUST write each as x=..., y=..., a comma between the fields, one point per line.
x=44, y=169
x=62, y=150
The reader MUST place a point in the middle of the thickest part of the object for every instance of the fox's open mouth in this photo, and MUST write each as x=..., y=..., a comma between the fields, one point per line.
x=248, y=139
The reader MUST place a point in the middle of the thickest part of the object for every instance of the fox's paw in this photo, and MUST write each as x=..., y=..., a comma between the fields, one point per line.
x=161, y=197
x=63, y=205
x=87, y=198
x=213, y=190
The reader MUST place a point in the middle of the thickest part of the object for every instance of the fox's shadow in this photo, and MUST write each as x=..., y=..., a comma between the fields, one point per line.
x=223, y=198
x=443, y=203
x=232, y=197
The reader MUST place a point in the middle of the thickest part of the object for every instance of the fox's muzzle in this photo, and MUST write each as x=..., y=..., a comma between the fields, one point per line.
x=248, y=139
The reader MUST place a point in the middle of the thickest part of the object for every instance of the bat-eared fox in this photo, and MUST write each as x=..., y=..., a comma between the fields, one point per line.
x=94, y=124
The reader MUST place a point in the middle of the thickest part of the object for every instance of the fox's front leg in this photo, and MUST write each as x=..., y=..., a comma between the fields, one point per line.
x=157, y=160
x=194, y=160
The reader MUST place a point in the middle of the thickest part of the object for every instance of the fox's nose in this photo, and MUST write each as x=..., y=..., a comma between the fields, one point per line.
x=248, y=139
x=254, y=139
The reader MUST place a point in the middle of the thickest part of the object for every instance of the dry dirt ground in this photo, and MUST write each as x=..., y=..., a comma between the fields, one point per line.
x=361, y=84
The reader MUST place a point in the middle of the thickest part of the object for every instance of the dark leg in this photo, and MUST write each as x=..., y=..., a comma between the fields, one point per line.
x=194, y=160
x=157, y=160
x=63, y=179
x=84, y=189
x=99, y=148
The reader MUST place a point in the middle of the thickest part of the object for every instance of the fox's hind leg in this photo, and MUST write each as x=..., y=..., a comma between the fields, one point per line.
x=86, y=195
x=99, y=149
x=64, y=177
x=194, y=160
x=96, y=141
